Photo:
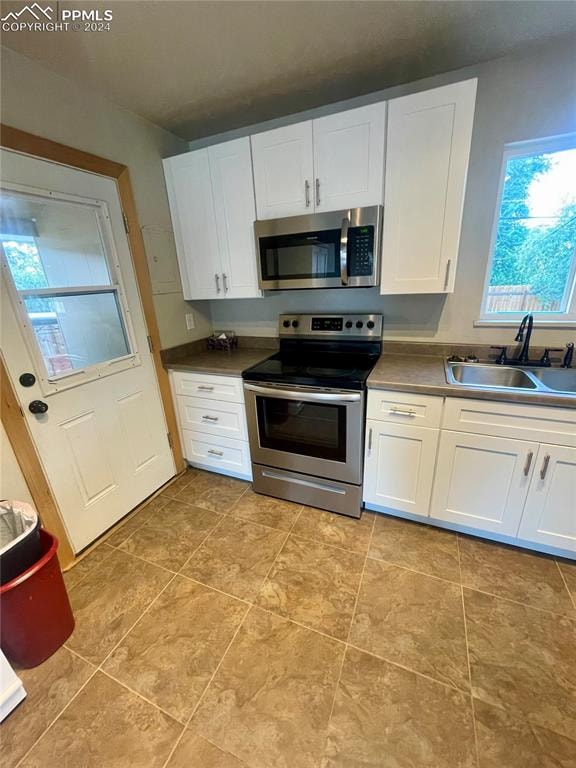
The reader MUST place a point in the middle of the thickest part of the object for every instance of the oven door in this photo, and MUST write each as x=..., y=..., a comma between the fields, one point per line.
x=306, y=430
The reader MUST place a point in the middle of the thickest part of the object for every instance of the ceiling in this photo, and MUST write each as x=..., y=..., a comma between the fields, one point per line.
x=199, y=68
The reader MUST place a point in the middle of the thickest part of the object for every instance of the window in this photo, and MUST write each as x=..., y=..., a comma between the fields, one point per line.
x=57, y=255
x=533, y=261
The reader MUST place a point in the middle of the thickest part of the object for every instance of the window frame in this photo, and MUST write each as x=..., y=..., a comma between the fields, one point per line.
x=563, y=319
x=49, y=383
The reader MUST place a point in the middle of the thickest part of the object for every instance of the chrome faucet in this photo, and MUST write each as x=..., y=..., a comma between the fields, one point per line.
x=524, y=335
x=569, y=356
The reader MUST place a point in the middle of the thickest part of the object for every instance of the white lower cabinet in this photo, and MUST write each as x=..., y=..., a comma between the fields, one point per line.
x=482, y=482
x=478, y=466
x=399, y=466
x=212, y=422
x=550, y=512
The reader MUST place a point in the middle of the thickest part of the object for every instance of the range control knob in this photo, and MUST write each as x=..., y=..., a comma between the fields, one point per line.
x=286, y=323
x=295, y=323
x=349, y=323
x=370, y=324
x=359, y=324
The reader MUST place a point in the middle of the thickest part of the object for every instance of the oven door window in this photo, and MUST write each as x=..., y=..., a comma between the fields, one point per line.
x=300, y=256
x=304, y=428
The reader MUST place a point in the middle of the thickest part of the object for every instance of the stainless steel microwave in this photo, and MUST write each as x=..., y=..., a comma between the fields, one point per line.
x=337, y=249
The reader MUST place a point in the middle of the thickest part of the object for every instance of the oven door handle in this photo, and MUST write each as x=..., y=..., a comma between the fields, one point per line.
x=344, y=251
x=288, y=394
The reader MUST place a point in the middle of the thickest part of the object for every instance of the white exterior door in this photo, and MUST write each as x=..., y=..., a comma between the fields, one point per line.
x=427, y=151
x=283, y=171
x=550, y=512
x=72, y=317
x=189, y=188
x=482, y=481
x=233, y=192
x=349, y=158
x=399, y=466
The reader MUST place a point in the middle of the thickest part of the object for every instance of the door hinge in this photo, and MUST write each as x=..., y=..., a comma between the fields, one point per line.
x=169, y=436
x=150, y=345
x=126, y=225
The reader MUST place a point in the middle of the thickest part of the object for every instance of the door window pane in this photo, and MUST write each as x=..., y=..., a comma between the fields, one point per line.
x=52, y=243
x=77, y=330
x=309, y=429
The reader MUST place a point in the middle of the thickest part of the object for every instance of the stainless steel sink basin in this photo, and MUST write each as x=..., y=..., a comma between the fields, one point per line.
x=556, y=379
x=490, y=376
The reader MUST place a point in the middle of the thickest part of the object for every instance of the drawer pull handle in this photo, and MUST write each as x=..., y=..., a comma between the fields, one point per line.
x=212, y=452
x=545, y=466
x=210, y=418
x=204, y=388
x=528, y=463
x=402, y=412
x=370, y=439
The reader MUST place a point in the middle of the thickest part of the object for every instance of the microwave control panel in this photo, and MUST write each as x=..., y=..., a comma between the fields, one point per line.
x=361, y=251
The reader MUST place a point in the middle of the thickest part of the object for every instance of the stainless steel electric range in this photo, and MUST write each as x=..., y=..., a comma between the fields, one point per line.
x=306, y=410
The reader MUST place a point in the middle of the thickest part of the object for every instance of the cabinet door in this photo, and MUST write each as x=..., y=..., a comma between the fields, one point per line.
x=190, y=195
x=283, y=171
x=550, y=512
x=233, y=192
x=349, y=158
x=427, y=151
x=399, y=466
x=482, y=482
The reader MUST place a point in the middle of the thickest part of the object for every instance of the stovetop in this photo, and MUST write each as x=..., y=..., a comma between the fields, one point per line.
x=331, y=352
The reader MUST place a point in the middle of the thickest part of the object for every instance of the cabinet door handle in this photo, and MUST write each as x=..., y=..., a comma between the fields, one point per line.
x=225, y=281
x=210, y=418
x=317, y=191
x=212, y=452
x=217, y=278
x=528, y=463
x=370, y=439
x=401, y=412
x=545, y=466
x=205, y=388
x=447, y=275
x=307, y=193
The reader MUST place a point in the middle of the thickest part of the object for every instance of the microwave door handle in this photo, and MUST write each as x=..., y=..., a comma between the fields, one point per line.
x=344, y=251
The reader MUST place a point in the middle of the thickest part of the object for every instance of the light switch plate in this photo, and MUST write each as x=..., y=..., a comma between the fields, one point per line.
x=190, y=321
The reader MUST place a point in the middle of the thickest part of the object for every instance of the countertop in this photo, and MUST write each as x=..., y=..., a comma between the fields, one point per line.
x=425, y=375
x=222, y=362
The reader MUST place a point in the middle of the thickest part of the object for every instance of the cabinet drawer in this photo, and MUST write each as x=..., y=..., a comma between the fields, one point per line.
x=213, y=417
x=226, y=388
x=404, y=408
x=218, y=454
x=522, y=422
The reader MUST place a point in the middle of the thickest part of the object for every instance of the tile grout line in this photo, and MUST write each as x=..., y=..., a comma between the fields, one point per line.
x=201, y=544
x=141, y=696
x=572, y=597
x=57, y=717
x=473, y=711
x=69, y=589
x=346, y=644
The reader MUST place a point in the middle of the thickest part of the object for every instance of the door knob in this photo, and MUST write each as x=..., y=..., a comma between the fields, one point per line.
x=27, y=379
x=37, y=406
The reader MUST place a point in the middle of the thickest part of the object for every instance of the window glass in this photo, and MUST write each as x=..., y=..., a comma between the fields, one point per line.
x=532, y=267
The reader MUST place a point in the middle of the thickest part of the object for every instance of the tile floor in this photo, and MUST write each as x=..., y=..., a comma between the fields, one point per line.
x=221, y=629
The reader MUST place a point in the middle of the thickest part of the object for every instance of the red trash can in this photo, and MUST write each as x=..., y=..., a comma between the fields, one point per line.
x=35, y=613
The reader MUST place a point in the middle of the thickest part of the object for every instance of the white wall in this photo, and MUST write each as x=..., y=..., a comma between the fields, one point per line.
x=43, y=103
x=519, y=97
x=12, y=483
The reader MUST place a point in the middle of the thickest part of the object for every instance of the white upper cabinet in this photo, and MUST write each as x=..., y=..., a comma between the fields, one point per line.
x=427, y=152
x=211, y=197
x=283, y=171
x=328, y=164
x=349, y=158
x=233, y=192
x=190, y=196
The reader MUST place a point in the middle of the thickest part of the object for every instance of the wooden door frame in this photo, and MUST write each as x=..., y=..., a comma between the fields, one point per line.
x=12, y=416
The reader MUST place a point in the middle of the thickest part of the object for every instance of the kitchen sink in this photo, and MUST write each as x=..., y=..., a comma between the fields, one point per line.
x=493, y=376
x=557, y=379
